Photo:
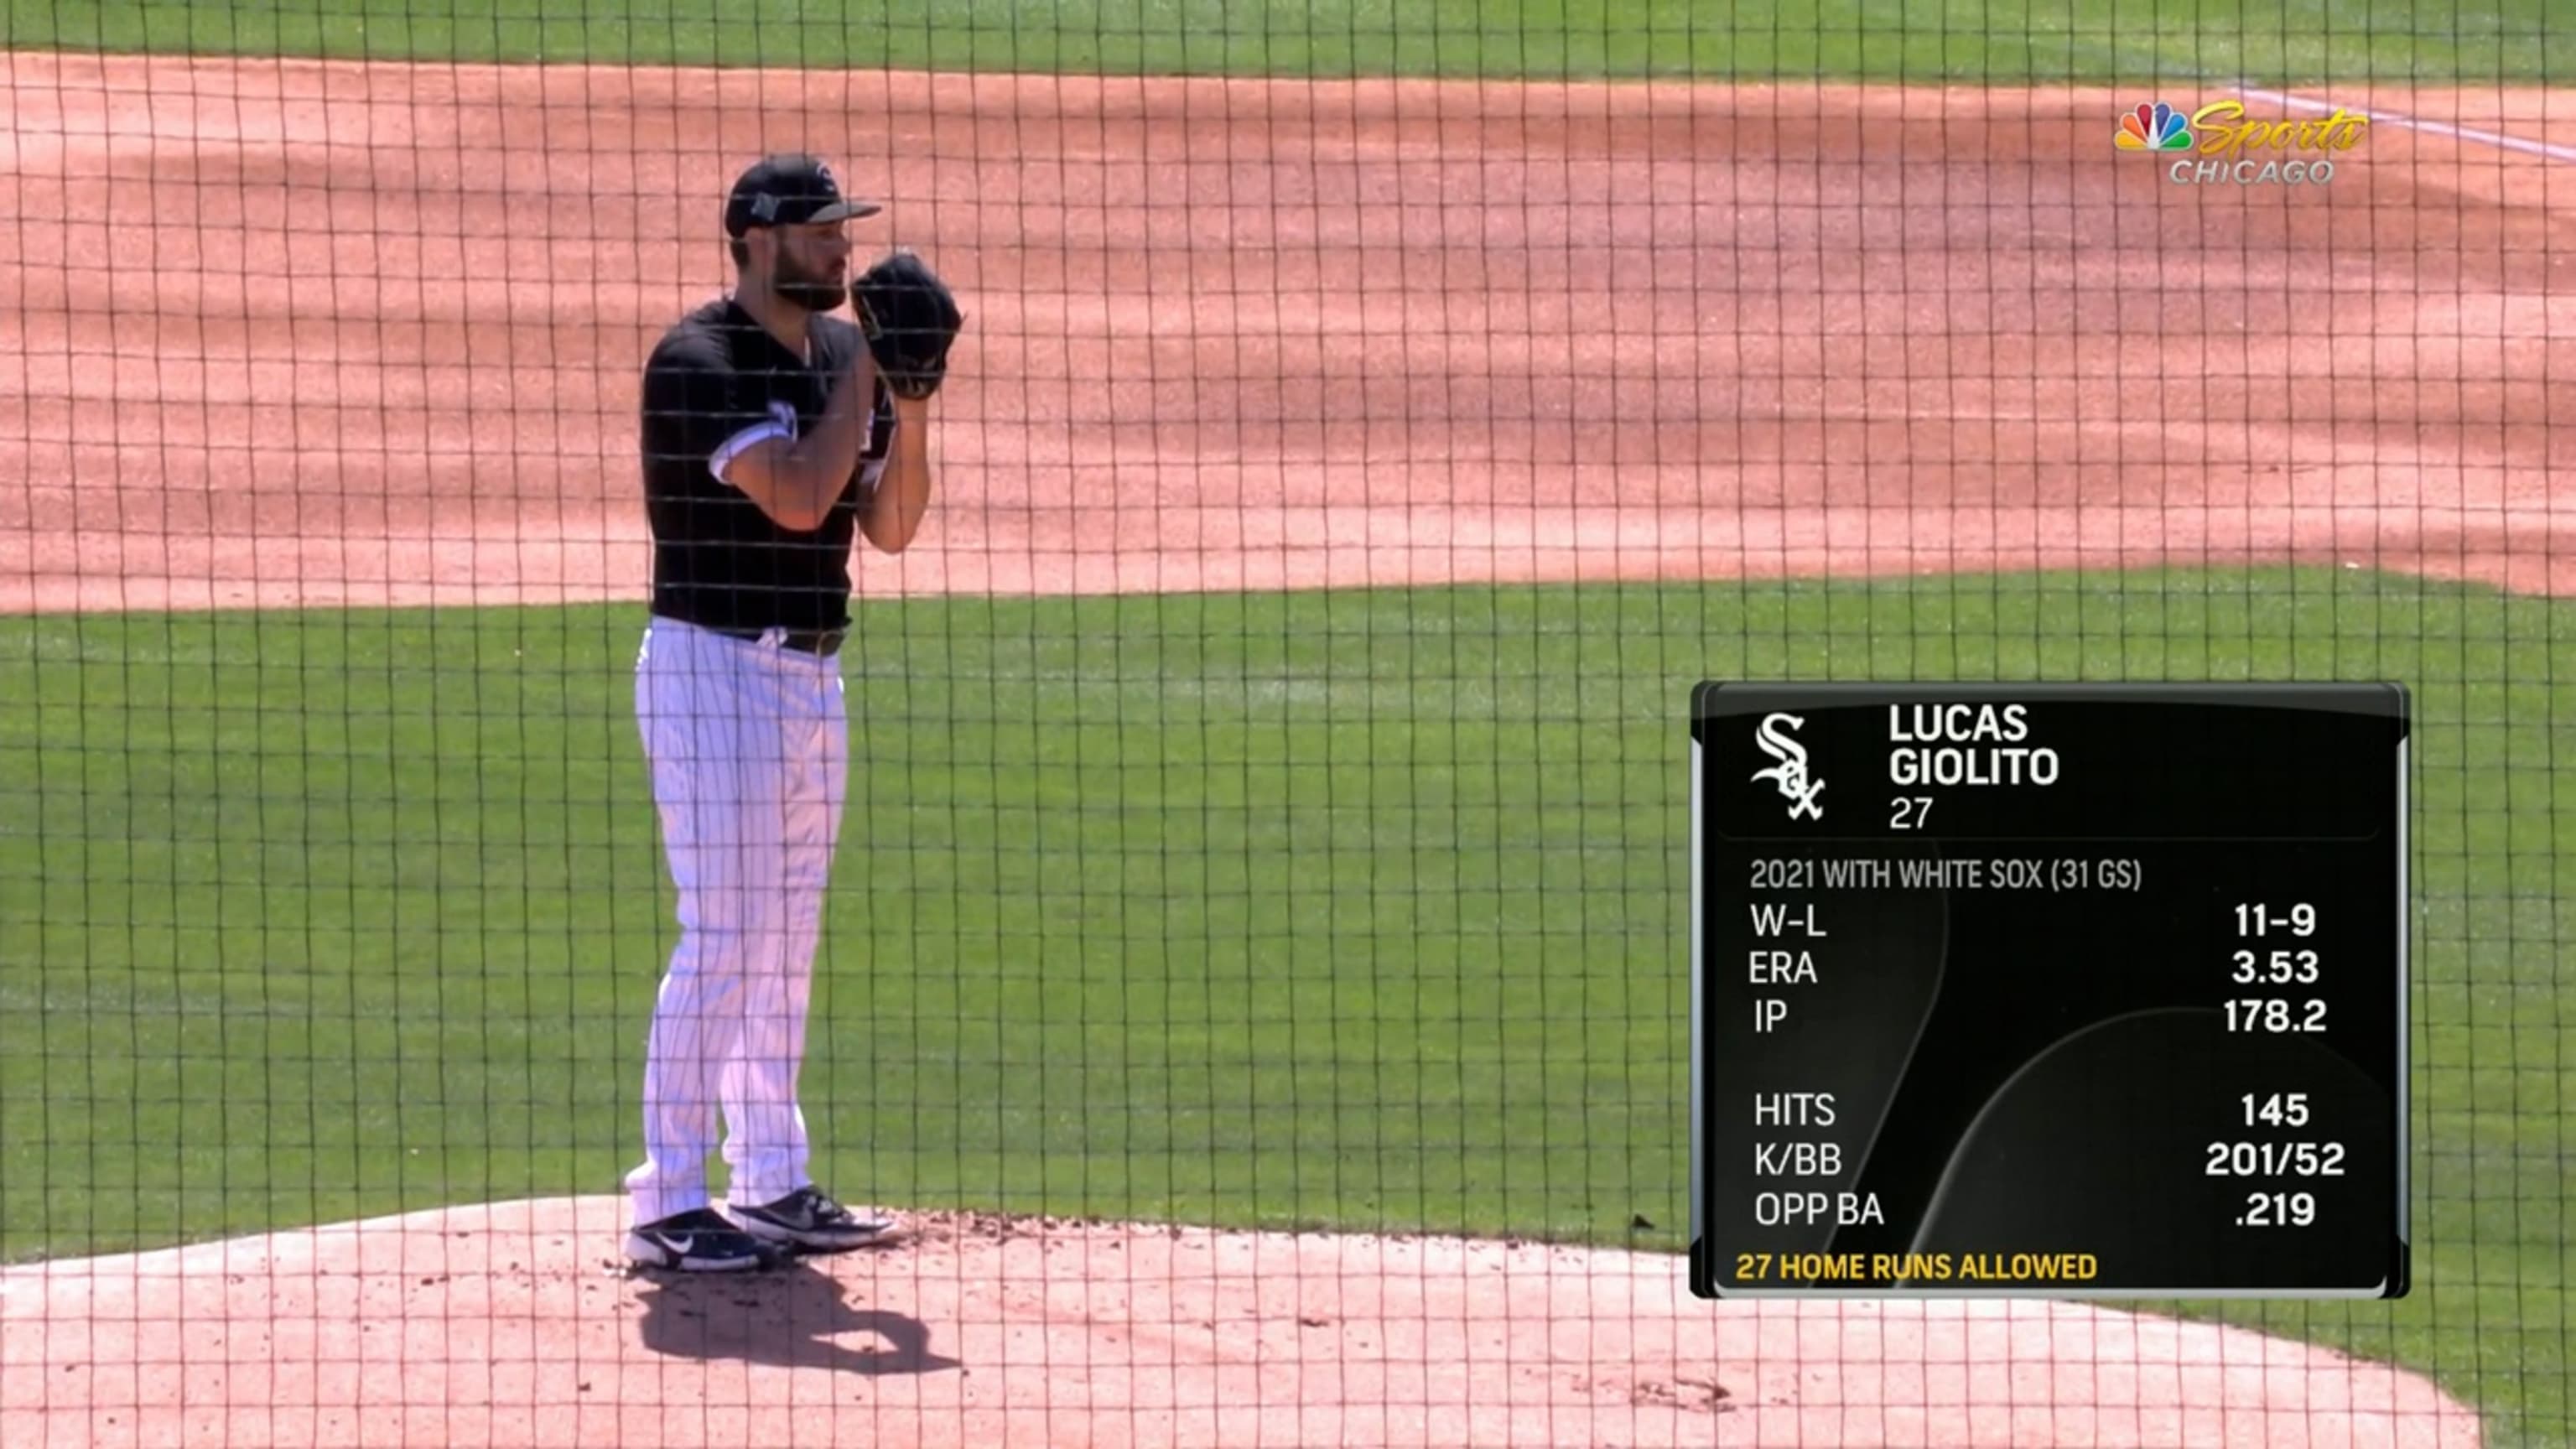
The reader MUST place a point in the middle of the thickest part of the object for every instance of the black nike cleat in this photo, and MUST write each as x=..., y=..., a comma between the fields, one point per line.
x=698, y=1241
x=809, y=1221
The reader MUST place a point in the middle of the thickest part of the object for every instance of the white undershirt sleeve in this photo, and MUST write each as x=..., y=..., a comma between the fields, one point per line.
x=734, y=447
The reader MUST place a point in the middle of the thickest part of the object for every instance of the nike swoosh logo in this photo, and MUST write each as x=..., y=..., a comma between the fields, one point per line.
x=681, y=1246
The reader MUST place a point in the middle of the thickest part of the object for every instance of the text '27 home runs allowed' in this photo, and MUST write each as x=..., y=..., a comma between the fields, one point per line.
x=2052, y=990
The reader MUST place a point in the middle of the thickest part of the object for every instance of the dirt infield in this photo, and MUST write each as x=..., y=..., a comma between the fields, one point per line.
x=511, y=1326
x=370, y=335
x=373, y=334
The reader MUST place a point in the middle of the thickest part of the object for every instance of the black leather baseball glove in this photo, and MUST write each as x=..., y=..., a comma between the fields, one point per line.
x=910, y=320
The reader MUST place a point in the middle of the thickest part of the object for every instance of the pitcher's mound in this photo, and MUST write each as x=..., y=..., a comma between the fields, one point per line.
x=519, y=1324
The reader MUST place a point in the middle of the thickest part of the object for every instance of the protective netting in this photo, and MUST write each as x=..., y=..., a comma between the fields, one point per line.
x=1241, y=838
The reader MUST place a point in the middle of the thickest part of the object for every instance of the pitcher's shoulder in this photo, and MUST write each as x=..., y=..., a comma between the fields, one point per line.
x=708, y=327
x=701, y=341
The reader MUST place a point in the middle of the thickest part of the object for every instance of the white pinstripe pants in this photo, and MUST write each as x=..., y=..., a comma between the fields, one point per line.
x=748, y=745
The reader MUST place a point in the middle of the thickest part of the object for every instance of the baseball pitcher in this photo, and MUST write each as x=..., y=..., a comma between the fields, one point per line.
x=773, y=434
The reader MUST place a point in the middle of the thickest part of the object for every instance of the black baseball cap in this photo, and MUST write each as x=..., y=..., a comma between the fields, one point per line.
x=789, y=190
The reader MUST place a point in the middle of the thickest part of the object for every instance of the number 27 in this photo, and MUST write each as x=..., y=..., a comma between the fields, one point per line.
x=1910, y=812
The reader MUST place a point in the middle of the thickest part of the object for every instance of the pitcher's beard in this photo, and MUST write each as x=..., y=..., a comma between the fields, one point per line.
x=813, y=296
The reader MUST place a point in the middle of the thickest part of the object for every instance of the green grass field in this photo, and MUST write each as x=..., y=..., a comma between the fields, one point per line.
x=2000, y=41
x=1377, y=906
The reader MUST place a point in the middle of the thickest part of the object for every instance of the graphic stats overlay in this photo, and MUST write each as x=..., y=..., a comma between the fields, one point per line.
x=2050, y=990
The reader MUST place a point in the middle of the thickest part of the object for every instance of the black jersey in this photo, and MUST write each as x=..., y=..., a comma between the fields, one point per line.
x=717, y=384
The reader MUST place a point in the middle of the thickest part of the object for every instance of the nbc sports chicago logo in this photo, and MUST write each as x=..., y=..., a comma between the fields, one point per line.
x=2218, y=144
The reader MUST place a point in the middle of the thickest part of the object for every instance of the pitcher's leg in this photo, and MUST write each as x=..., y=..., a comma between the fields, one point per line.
x=768, y=1150
x=690, y=717
x=777, y=1198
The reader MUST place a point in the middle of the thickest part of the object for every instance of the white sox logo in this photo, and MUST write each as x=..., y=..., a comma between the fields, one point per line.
x=1795, y=785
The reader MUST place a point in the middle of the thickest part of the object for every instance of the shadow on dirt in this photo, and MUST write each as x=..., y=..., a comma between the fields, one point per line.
x=793, y=1317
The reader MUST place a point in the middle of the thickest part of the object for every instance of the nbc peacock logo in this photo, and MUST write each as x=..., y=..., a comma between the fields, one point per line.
x=2220, y=143
x=2157, y=127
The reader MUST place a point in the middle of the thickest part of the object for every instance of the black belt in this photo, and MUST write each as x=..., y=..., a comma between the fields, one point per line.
x=825, y=642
